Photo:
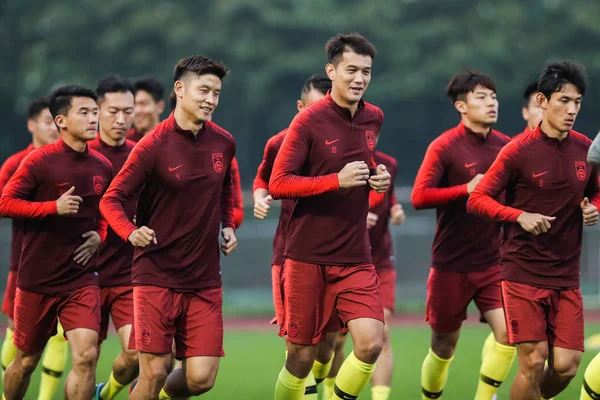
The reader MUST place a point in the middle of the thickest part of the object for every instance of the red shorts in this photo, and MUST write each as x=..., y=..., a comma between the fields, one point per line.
x=537, y=315
x=277, y=284
x=36, y=316
x=312, y=293
x=387, y=288
x=8, y=303
x=193, y=319
x=116, y=303
x=449, y=295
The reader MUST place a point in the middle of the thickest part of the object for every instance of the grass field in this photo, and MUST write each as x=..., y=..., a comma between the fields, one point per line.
x=255, y=357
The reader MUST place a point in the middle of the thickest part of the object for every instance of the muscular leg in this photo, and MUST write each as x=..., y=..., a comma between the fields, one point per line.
x=80, y=383
x=382, y=376
x=153, y=375
x=196, y=376
x=562, y=368
x=532, y=356
x=18, y=374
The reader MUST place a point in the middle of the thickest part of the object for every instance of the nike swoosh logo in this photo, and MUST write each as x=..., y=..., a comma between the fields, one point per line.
x=62, y=184
x=171, y=169
x=538, y=175
x=470, y=165
x=327, y=142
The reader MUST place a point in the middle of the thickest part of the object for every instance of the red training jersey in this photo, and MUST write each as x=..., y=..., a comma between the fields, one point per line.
x=46, y=265
x=238, y=203
x=115, y=255
x=382, y=249
x=8, y=169
x=263, y=175
x=134, y=135
x=525, y=131
x=462, y=242
x=185, y=193
x=547, y=176
x=328, y=224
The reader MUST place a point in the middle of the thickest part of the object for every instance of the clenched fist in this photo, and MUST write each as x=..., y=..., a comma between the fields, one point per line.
x=142, y=237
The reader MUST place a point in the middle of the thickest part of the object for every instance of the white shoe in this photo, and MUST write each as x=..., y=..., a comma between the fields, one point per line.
x=495, y=397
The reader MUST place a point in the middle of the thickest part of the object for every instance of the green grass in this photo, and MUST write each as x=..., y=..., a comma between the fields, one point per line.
x=255, y=358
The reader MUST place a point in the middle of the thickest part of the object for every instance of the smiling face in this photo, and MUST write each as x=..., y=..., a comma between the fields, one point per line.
x=350, y=77
x=198, y=95
x=147, y=111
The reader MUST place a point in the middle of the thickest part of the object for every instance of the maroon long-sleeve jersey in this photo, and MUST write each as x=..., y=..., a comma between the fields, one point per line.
x=115, y=254
x=261, y=181
x=462, y=242
x=185, y=193
x=8, y=169
x=382, y=250
x=46, y=265
x=547, y=176
x=238, y=201
x=328, y=224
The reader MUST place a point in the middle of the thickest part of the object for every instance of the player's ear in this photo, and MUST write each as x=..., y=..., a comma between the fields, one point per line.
x=542, y=100
x=525, y=113
x=330, y=70
x=460, y=106
x=31, y=125
x=299, y=105
x=160, y=106
x=178, y=89
x=61, y=121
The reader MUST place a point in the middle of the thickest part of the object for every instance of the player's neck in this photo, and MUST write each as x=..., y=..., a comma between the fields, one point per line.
x=552, y=132
x=36, y=143
x=531, y=127
x=76, y=144
x=186, y=121
x=340, y=101
x=482, y=129
x=110, y=141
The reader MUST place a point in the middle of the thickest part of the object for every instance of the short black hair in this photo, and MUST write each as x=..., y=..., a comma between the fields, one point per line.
x=559, y=73
x=319, y=82
x=173, y=100
x=113, y=84
x=465, y=82
x=199, y=65
x=61, y=98
x=150, y=85
x=337, y=45
x=37, y=106
x=530, y=90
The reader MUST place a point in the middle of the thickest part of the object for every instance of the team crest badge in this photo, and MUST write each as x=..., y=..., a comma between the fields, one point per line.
x=580, y=170
x=98, y=184
x=370, y=139
x=217, y=159
x=293, y=329
x=146, y=337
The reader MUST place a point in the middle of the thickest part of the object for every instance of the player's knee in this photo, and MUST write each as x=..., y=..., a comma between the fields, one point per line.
x=131, y=358
x=155, y=374
x=444, y=345
x=200, y=382
x=300, y=360
x=28, y=364
x=85, y=359
x=533, y=363
x=368, y=349
x=567, y=369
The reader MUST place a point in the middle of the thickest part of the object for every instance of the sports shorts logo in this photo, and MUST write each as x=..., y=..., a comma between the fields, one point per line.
x=580, y=170
x=293, y=329
x=146, y=337
x=217, y=160
x=98, y=184
x=19, y=338
x=370, y=135
x=514, y=326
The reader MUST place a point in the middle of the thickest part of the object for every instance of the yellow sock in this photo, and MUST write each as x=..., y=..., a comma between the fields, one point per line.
x=289, y=387
x=487, y=345
x=310, y=387
x=328, y=385
x=591, y=380
x=352, y=378
x=163, y=395
x=494, y=368
x=53, y=365
x=434, y=374
x=380, y=392
x=111, y=389
x=320, y=371
x=8, y=350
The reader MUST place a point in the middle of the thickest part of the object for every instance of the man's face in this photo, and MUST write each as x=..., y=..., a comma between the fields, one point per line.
x=198, y=95
x=533, y=113
x=480, y=106
x=81, y=122
x=309, y=98
x=146, y=111
x=42, y=128
x=351, y=76
x=116, y=114
x=561, y=110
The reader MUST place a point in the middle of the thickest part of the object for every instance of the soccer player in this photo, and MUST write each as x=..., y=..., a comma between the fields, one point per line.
x=314, y=89
x=149, y=105
x=43, y=131
x=590, y=389
x=549, y=185
x=466, y=249
x=116, y=104
x=183, y=169
x=380, y=214
x=61, y=238
x=531, y=110
x=326, y=164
